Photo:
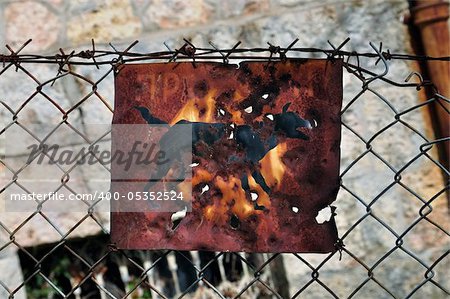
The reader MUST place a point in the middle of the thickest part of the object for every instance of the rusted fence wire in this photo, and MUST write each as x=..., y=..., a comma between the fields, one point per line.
x=92, y=267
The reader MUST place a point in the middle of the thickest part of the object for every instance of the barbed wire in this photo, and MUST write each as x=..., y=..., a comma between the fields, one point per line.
x=188, y=51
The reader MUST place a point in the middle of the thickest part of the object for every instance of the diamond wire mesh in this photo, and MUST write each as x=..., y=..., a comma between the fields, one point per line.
x=259, y=275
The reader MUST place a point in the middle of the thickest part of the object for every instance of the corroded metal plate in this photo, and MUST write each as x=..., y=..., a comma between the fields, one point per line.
x=272, y=165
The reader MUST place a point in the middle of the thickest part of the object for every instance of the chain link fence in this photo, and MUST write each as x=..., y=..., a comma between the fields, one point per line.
x=392, y=212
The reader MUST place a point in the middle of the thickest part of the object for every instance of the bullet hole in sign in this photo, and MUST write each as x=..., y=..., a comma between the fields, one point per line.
x=177, y=217
x=254, y=196
x=324, y=215
x=234, y=222
x=205, y=188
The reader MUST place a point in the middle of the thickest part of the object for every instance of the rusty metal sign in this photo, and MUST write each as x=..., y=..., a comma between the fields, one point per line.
x=265, y=153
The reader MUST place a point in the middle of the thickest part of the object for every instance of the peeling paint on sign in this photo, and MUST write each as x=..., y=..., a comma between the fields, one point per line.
x=265, y=153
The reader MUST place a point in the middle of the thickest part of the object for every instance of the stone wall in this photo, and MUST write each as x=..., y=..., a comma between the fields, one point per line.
x=72, y=24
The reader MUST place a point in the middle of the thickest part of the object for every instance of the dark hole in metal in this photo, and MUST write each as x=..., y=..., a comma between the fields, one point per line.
x=235, y=222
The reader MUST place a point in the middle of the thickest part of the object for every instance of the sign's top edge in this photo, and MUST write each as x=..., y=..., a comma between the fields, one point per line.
x=204, y=62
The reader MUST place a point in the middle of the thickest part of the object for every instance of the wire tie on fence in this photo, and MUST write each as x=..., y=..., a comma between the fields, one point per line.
x=90, y=54
x=14, y=56
x=232, y=49
x=425, y=147
x=57, y=57
x=65, y=59
x=278, y=50
x=225, y=59
x=397, y=177
x=315, y=274
x=65, y=178
x=15, y=117
x=428, y=211
x=61, y=64
x=176, y=53
x=189, y=50
x=427, y=274
x=118, y=62
x=273, y=50
x=377, y=76
x=339, y=245
x=336, y=51
x=385, y=54
x=435, y=263
x=330, y=56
